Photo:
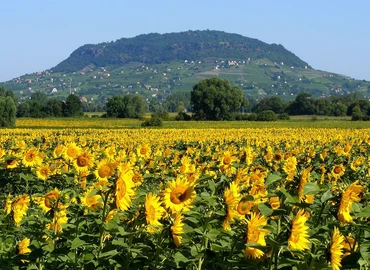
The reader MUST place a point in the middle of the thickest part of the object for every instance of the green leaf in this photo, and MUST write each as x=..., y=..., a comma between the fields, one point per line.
x=77, y=242
x=178, y=257
x=365, y=212
x=326, y=196
x=289, y=197
x=265, y=210
x=272, y=178
x=212, y=234
x=212, y=186
x=310, y=188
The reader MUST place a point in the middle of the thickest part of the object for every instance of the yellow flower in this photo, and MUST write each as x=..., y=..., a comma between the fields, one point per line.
x=137, y=178
x=290, y=167
x=110, y=215
x=48, y=201
x=83, y=162
x=304, y=180
x=336, y=249
x=337, y=171
x=60, y=218
x=153, y=210
x=58, y=151
x=232, y=199
x=110, y=152
x=256, y=234
x=226, y=161
x=8, y=205
x=349, y=196
x=177, y=229
x=124, y=192
x=20, y=206
x=143, y=151
x=43, y=172
x=92, y=201
x=11, y=163
x=104, y=170
x=274, y=202
x=298, y=239
x=32, y=158
x=349, y=245
x=71, y=151
x=179, y=195
x=23, y=246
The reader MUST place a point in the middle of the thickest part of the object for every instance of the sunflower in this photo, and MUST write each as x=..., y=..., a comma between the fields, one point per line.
x=58, y=151
x=337, y=171
x=43, y=172
x=8, y=205
x=104, y=170
x=110, y=152
x=124, y=168
x=274, y=202
x=143, y=151
x=278, y=157
x=336, y=249
x=153, y=210
x=232, y=199
x=306, y=174
x=298, y=239
x=256, y=234
x=71, y=151
x=23, y=246
x=137, y=178
x=124, y=192
x=11, y=163
x=225, y=164
x=47, y=201
x=60, y=218
x=83, y=162
x=244, y=207
x=32, y=158
x=349, y=245
x=177, y=229
x=349, y=196
x=20, y=206
x=290, y=167
x=179, y=195
x=92, y=201
x=110, y=215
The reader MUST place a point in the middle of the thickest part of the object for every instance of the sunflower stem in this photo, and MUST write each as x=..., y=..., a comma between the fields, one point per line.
x=319, y=216
x=102, y=231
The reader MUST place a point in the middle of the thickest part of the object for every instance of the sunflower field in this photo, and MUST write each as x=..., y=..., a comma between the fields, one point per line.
x=267, y=198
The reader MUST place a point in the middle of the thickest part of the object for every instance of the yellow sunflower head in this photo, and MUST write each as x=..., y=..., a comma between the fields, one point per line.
x=124, y=192
x=43, y=172
x=336, y=249
x=83, y=162
x=256, y=234
x=31, y=158
x=104, y=170
x=71, y=151
x=299, y=236
x=177, y=229
x=23, y=246
x=153, y=210
x=337, y=171
x=179, y=195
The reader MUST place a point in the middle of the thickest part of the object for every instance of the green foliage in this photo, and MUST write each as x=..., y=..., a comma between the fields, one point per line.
x=72, y=106
x=162, y=115
x=153, y=122
x=284, y=116
x=274, y=104
x=7, y=111
x=267, y=116
x=156, y=48
x=128, y=106
x=215, y=99
x=183, y=116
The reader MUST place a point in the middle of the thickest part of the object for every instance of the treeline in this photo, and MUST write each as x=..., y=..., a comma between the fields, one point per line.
x=41, y=106
x=304, y=104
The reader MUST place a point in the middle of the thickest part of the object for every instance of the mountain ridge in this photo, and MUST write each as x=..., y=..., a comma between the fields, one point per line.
x=157, y=48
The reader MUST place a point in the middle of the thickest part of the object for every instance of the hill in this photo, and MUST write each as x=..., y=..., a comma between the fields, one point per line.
x=156, y=65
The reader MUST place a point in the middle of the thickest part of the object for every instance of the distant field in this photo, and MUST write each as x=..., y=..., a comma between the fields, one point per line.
x=96, y=122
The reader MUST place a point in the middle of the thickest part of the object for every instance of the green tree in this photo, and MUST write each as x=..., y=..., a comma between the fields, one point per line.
x=274, y=104
x=215, y=99
x=72, y=106
x=7, y=111
x=53, y=107
x=41, y=97
x=128, y=106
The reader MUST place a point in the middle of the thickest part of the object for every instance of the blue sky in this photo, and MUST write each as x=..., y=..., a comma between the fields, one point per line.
x=331, y=35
